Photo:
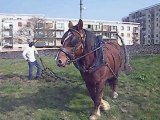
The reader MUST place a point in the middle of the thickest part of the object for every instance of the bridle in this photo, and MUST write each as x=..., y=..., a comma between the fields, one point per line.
x=69, y=54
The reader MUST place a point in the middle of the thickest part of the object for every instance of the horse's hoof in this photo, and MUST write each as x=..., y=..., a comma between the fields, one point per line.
x=115, y=95
x=105, y=105
x=94, y=117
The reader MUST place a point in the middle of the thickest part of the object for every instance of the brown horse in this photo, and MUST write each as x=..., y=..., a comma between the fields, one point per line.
x=97, y=61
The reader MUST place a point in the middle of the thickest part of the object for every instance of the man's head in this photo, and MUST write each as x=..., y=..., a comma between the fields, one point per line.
x=31, y=44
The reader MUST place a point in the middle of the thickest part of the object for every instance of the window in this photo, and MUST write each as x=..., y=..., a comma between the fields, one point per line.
x=133, y=16
x=59, y=33
x=107, y=35
x=149, y=31
x=113, y=35
x=152, y=36
x=156, y=19
x=128, y=28
x=49, y=25
x=20, y=41
x=113, y=28
x=29, y=32
x=149, y=41
x=105, y=27
x=10, y=33
x=19, y=24
x=10, y=26
x=128, y=35
x=96, y=27
x=89, y=26
x=122, y=27
x=39, y=25
x=122, y=34
x=28, y=24
x=60, y=26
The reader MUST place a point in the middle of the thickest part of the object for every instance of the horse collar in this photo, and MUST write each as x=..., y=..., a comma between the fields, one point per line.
x=98, y=62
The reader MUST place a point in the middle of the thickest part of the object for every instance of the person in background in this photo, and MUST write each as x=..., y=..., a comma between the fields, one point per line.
x=29, y=55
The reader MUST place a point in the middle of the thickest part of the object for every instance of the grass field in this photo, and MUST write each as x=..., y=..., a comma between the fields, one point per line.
x=139, y=93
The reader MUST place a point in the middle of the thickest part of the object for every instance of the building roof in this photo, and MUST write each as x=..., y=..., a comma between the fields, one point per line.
x=152, y=6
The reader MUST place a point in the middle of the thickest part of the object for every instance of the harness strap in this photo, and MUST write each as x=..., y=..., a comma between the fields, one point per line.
x=111, y=70
x=70, y=56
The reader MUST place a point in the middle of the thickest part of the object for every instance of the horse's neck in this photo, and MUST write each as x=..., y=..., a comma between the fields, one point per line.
x=89, y=46
x=88, y=60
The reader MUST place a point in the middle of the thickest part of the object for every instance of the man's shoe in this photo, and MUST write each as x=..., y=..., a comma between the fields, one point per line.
x=37, y=78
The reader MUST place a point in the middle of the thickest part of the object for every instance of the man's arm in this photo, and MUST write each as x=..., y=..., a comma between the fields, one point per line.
x=36, y=52
x=24, y=54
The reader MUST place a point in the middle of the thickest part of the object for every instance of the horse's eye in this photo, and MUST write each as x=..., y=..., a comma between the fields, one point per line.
x=74, y=41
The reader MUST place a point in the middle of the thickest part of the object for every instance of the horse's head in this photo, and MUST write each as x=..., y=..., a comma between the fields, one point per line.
x=72, y=44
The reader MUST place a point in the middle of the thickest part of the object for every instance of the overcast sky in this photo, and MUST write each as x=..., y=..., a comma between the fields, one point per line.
x=112, y=10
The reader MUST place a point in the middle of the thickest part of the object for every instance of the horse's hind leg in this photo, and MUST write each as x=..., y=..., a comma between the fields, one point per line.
x=113, y=84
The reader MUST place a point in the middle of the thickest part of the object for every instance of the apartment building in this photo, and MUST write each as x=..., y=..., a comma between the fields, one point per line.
x=17, y=29
x=10, y=24
x=149, y=19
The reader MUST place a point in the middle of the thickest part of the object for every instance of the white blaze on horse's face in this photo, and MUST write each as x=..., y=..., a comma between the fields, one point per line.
x=61, y=59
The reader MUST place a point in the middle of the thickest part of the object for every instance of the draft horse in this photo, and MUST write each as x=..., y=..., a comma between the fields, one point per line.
x=99, y=62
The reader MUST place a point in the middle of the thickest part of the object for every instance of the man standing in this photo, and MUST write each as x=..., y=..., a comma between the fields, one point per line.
x=29, y=56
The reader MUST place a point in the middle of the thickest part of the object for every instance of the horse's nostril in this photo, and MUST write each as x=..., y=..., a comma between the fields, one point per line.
x=59, y=61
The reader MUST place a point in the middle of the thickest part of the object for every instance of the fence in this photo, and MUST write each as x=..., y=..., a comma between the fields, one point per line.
x=133, y=50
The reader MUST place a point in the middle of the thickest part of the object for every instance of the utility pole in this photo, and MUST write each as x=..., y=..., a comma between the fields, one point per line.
x=81, y=9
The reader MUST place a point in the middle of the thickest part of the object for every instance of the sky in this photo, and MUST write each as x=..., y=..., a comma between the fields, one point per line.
x=111, y=10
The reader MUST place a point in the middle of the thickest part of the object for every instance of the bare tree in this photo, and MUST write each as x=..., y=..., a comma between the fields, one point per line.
x=35, y=28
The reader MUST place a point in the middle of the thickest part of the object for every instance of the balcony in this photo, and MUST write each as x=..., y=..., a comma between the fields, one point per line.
x=113, y=30
x=135, y=31
x=135, y=37
x=7, y=28
x=59, y=36
x=7, y=36
x=59, y=29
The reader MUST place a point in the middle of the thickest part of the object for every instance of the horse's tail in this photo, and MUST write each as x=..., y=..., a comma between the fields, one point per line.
x=127, y=66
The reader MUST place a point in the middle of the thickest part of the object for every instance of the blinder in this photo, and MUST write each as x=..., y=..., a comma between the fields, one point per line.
x=74, y=41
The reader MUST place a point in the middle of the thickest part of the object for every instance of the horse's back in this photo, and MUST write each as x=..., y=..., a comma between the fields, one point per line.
x=113, y=54
x=113, y=44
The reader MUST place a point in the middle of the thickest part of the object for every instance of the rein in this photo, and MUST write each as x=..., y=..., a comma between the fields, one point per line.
x=85, y=54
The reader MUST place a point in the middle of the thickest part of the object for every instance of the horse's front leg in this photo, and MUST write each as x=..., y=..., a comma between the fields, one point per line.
x=98, y=100
x=92, y=91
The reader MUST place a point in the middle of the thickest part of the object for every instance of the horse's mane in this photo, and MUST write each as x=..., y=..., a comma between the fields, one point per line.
x=90, y=39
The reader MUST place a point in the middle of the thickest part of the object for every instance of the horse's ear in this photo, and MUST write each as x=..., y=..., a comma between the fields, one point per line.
x=70, y=24
x=80, y=24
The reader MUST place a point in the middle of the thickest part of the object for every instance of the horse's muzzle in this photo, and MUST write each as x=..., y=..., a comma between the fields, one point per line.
x=60, y=63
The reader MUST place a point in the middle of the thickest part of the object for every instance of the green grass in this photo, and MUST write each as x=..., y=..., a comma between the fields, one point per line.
x=139, y=93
